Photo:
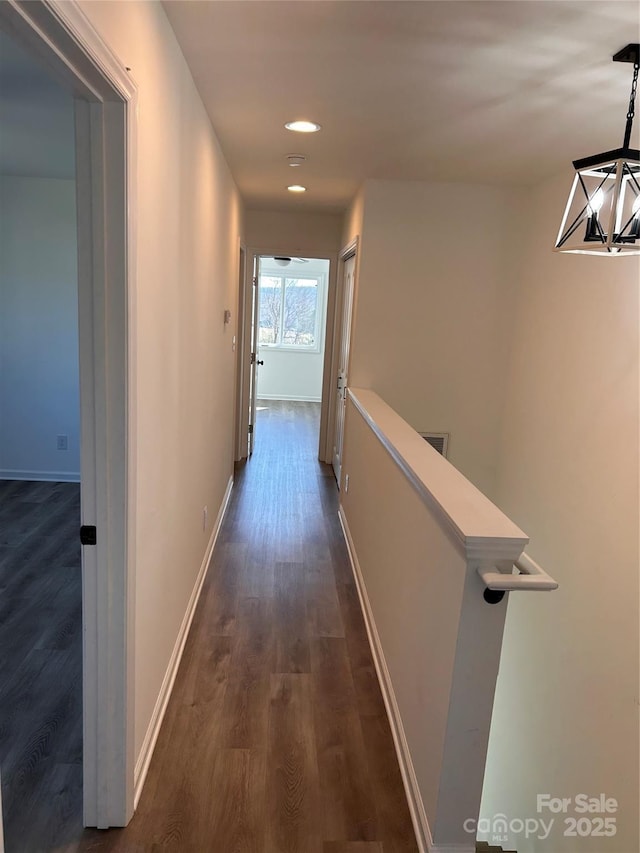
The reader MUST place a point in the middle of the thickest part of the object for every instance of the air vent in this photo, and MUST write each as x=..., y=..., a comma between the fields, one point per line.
x=438, y=440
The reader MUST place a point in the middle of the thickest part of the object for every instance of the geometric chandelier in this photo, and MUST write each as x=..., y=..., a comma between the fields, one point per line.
x=602, y=216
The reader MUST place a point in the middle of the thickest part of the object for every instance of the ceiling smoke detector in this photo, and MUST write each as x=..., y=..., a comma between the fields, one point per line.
x=295, y=159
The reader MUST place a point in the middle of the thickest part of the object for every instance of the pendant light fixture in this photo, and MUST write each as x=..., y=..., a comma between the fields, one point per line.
x=602, y=216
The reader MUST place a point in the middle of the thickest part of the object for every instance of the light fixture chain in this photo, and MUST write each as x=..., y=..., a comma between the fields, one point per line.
x=632, y=106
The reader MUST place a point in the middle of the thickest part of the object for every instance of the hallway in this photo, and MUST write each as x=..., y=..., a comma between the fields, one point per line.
x=276, y=738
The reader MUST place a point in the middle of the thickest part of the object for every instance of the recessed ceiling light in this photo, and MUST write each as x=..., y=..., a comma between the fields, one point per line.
x=296, y=159
x=302, y=126
x=296, y=188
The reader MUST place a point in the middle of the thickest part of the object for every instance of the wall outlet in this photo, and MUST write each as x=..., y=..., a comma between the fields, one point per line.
x=205, y=514
x=346, y=483
x=62, y=442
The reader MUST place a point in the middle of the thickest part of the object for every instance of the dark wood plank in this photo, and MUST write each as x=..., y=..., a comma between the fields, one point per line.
x=293, y=789
x=394, y=819
x=222, y=589
x=290, y=611
x=40, y=664
x=236, y=814
x=348, y=804
x=323, y=607
x=363, y=671
x=246, y=703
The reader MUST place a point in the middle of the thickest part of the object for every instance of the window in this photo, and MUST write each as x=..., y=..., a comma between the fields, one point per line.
x=290, y=310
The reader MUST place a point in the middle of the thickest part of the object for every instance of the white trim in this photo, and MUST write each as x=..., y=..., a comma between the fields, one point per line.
x=297, y=349
x=41, y=476
x=153, y=730
x=333, y=363
x=293, y=397
x=414, y=799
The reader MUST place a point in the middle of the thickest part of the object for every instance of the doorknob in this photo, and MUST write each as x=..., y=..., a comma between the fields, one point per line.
x=259, y=362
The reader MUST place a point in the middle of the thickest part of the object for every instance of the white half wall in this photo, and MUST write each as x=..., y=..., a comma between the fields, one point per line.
x=290, y=375
x=565, y=719
x=188, y=239
x=39, y=382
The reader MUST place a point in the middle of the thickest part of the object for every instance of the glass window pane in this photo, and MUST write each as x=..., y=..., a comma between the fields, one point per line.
x=300, y=309
x=270, y=309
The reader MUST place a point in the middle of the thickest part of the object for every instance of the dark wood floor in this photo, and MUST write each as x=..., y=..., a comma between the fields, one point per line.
x=275, y=739
x=40, y=664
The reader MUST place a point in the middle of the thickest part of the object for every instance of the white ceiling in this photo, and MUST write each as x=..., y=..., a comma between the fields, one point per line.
x=506, y=92
x=36, y=118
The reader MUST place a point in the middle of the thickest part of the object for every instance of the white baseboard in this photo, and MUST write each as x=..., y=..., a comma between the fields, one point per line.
x=296, y=398
x=41, y=476
x=153, y=730
x=412, y=790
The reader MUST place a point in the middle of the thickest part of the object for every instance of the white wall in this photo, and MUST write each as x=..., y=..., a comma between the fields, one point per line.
x=353, y=221
x=39, y=384
x=189, y=219
x=566, y=713
x=430, y=327
x=308, y=235
x=36, y=116
x=295, y=374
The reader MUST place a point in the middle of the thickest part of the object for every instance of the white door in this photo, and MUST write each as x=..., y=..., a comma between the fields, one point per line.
x=253, y=370
x=348, y=272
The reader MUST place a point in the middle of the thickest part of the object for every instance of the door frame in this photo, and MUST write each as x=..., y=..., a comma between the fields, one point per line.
x=244, y=343
x=61, y=36
x=240, y=366
x=352, y=249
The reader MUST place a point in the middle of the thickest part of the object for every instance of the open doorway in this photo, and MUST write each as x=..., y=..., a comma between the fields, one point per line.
x=40, y=552
x=291, y=311
x=61, y=40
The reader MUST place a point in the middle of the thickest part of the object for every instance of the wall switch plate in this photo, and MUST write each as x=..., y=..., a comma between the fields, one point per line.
x=346, y=483
x=62, y=442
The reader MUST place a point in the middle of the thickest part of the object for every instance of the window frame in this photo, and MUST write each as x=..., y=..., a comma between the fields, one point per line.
x=321, y=279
